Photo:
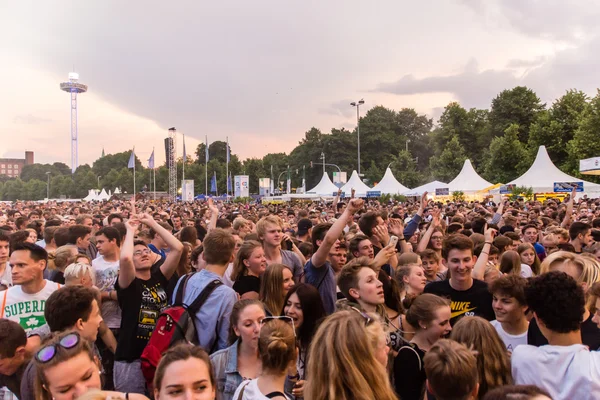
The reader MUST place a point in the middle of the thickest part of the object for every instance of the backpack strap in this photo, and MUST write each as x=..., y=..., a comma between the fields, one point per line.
x=203, y=296
x=416, y=354
x=275, y=394
x=242, y=391
x=181, y=289
x=3, y=303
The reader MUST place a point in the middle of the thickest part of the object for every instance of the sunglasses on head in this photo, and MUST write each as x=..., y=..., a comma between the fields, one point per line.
x=282, y=317
x=47, y=353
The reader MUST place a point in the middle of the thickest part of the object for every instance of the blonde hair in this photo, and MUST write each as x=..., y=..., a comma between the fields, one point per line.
x=276, y=346
x=77, y=270
x=271, y=288
x=342, y=364
x=261, y=225
x=493, y=363
x=510, y=263
x=563, y=257
x=245, y=252
x=63, y=256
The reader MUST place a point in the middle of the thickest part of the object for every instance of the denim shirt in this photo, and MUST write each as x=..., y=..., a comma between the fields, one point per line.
x=226, y=371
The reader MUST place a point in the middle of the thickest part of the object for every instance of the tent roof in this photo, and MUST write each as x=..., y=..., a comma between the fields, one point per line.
x=103, y=195
x=324, y=187
x=92, y=195
x=543, y=173
x=468, y=180
x=389, y=184
x=429, y=187
x=357, y=184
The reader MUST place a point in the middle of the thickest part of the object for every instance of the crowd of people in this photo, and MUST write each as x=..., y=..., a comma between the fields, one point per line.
x=350, y=299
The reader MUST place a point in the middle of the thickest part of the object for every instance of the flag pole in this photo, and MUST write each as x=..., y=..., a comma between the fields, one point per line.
x=134, y=173
x=183, y=169
x=206, y=167
x=154, y=174
x=227, y=168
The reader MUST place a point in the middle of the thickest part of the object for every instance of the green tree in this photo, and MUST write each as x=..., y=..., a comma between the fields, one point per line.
x=505, y=158
x=448, y=164
x=34, y=190
x=519, y=106
x=404, y=169
x=586, y=140
x=13, y=190
x=373, y=174
x=103, y=165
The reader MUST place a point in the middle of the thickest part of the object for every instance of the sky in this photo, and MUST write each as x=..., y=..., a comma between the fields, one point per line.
x=261, y=73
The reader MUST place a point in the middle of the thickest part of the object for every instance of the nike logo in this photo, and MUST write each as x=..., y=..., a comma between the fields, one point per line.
x=461, y=312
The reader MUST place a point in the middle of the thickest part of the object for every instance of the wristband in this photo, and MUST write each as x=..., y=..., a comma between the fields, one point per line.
x=297, y=376
x=487, y=242
x=402, y=238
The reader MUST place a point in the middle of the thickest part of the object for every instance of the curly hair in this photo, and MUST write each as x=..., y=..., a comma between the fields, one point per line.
x=557, y=300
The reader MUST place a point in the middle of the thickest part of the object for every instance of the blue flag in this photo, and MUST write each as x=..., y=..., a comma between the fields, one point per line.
x=213, y=183
x=206, y=148
x=229, y=183
x=151, y=160
x=131, y=163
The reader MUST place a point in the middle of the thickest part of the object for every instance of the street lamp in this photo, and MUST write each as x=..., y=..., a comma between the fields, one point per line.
x=48, y=186
x=357, y=105
x=407, y=142
x=99, y=176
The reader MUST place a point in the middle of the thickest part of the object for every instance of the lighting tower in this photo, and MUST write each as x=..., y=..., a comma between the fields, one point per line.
x=73, y=87
x=172, y=163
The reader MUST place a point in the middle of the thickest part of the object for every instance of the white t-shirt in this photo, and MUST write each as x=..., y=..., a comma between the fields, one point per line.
x=227, y=276
x=106, y=277
x=251, y=391
x=566, y=372
x=526, y=271
x=6, y=277
x=511, y=341
x=26, y=309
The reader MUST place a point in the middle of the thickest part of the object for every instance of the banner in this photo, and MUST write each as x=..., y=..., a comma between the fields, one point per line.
x=442, y=192
x=567, y=187
x=187, y=190
x=264, y=186
x=241, y=186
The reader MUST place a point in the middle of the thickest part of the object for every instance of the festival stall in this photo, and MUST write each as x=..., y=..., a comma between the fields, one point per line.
x=469, y=182
x=324, y=188
x=360, y=188
x=430, y=188
x=389, y=184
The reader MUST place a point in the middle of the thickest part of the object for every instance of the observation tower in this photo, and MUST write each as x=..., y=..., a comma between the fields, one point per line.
x=74, y=88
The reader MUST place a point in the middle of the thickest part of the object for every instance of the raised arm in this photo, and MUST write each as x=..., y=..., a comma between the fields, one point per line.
x=320, y=256
x=478, y=271
x=396, y=227
x=337, y=199
x=126, y=267
x=176, y=247
x=435, y=222
x=569, y=213
x=214, y=215
x=413, y=224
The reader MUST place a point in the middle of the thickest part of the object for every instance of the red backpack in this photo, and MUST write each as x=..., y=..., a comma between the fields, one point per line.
x=175, y=324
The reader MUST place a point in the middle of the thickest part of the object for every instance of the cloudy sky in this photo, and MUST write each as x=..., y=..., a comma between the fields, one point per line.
x=263, y=72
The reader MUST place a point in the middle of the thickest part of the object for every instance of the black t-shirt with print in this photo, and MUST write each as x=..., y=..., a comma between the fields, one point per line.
x=475, y=301
x=141, y=304
x=247, y=283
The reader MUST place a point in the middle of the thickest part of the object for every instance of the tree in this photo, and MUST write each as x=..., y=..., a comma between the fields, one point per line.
x=448, y=164
x=586, y=140
x=103, y=165
x=254, y=168
x=519, y=106
x=404, y=169
x=505, y=158
x=373, y=173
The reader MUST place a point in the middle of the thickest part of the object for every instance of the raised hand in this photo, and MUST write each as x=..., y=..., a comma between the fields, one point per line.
x=355, y=204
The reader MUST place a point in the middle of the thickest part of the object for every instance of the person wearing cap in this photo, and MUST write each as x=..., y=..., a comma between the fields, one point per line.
x=304, y=230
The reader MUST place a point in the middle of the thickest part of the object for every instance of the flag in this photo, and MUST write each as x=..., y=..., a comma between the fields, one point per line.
x=229, y=183
x=206, y=148
x=184, y=155
x=213, y=183
x=131, y=163
x=151, y=160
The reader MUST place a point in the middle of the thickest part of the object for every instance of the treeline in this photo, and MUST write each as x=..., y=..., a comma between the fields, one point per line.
x=500, y=141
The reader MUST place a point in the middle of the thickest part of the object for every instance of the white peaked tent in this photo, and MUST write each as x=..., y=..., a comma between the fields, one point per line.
x=542, y=175
x=103, y=195
x=429, y=188
x=117, y=191
x=325, y=187
x=92, y=195
x=357, y=184
x=468, y=181
x=389, y=184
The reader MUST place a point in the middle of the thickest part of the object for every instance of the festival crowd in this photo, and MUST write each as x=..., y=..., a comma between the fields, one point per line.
x=349, y=299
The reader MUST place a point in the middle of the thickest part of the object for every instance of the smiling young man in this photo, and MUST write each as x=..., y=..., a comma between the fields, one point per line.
x=508, y=292
x=270, y=232
x=467, y=296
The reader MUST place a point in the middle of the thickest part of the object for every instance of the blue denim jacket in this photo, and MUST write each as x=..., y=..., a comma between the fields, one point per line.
x=226, y=371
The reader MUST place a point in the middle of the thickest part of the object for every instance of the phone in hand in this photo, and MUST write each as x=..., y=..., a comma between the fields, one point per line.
x=393, y=240
x=289, y=244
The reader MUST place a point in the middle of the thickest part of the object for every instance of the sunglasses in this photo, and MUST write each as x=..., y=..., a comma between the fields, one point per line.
x=282, y=317
x=47, y=353
x=369, y=321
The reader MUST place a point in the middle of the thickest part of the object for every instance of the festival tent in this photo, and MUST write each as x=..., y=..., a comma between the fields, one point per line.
x=542, y=175
x=92, y=195
x=103, y=195
x=389, y=184
x=468, y=181
x=324, y=187
x=429, y=188
x=357, y=184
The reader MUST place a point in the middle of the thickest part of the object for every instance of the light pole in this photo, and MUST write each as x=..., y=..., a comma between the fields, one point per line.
x=48, y=186
x=407, y=142
x=99, y=176
x=357, y=105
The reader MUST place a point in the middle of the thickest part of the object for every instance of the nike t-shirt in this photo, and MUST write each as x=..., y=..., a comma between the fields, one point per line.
x=475, y=301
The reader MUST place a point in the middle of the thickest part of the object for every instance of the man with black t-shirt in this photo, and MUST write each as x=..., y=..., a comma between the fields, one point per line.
x=467, y=296
x=142, y=294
